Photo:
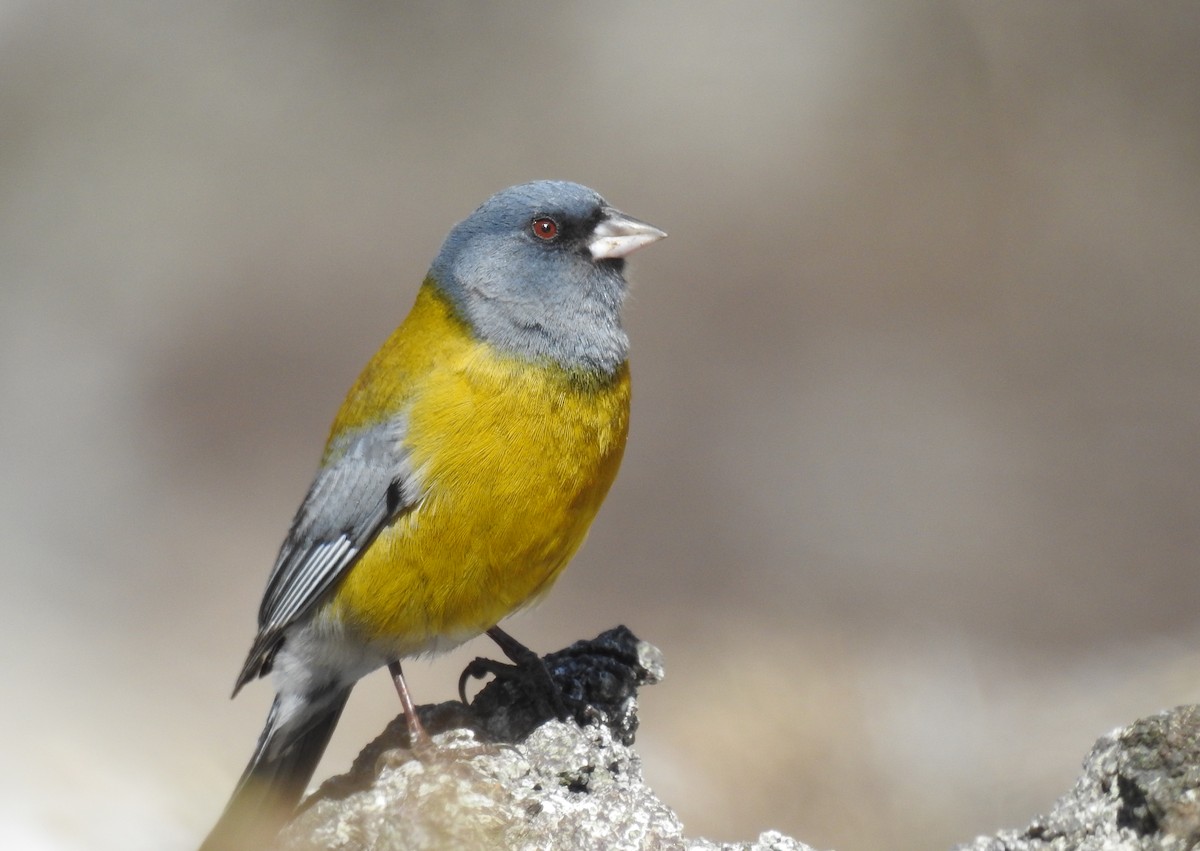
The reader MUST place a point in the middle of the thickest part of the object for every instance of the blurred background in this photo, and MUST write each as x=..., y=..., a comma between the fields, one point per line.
x=911, y=497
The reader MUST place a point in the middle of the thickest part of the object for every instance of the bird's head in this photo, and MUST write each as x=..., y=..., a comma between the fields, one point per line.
x=537, y=271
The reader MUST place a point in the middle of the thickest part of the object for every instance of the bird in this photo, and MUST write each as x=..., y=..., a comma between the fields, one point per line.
x=461, y=474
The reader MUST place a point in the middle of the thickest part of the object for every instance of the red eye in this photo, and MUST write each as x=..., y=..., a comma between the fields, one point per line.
x=545, y=228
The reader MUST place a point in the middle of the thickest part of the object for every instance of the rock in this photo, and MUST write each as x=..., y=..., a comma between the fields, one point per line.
x=564, y=787
x=1140, y=790
x=503, y=776
x=505, y=773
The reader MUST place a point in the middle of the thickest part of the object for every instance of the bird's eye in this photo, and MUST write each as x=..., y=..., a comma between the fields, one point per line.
x=545, y=228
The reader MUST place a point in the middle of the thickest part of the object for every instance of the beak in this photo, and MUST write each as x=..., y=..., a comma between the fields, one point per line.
x=619, y=235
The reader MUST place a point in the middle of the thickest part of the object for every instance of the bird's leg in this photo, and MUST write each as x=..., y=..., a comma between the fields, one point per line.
x=418, y=738
x=526, y=665
x=518, y=653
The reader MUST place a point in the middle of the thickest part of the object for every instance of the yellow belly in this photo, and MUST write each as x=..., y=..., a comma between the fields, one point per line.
x=514, y=461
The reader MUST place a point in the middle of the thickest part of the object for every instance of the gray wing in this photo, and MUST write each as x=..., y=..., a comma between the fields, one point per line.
x=350, y=501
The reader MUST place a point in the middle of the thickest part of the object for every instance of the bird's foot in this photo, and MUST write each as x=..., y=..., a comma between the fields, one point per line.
x=528, y=673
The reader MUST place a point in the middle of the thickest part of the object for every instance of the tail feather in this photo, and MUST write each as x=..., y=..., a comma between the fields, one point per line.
x=282, y=766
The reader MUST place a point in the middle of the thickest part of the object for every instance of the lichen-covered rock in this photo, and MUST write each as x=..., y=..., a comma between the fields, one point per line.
x=1140, y=791
x=564, y=787
x=502, y=776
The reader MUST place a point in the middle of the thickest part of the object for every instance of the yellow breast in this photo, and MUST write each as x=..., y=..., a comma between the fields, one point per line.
x=513, y=460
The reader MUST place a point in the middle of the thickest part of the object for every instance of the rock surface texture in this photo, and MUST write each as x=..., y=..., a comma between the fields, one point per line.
x=1139, y=791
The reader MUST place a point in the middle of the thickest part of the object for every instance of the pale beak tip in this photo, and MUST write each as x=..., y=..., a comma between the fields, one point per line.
x=619, y=235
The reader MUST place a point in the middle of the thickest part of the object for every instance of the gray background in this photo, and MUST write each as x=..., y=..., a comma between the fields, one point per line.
x=910, y=501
